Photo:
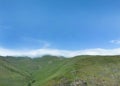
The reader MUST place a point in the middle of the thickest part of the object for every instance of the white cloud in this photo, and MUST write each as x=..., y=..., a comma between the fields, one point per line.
x=115, y=41
x=67, y=53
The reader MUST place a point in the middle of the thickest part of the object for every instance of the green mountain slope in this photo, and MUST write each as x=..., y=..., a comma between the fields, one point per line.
x=11, y=76
x=60, y=71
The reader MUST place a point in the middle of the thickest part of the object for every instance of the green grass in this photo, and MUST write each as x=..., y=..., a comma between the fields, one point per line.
x=50, y=70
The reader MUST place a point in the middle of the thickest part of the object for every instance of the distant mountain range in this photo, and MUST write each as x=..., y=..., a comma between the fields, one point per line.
x=60, y=71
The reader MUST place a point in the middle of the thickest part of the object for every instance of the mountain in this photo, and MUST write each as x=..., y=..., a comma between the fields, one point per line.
x=60, y=71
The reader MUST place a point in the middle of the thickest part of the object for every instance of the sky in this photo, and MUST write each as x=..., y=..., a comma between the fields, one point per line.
x=59, y=27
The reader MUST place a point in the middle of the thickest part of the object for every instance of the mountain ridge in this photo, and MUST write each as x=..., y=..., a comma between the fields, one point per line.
x=51, y=70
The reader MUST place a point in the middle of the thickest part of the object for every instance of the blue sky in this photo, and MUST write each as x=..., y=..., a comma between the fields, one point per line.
x=59, y=24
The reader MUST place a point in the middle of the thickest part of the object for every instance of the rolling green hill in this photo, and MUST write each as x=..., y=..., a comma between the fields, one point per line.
x=60, y=71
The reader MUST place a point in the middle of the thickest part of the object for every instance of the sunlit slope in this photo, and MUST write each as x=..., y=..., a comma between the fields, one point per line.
x=94, y=70
x=53, y=70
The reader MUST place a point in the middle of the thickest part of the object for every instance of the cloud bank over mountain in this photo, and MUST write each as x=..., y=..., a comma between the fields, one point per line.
x=57, y=52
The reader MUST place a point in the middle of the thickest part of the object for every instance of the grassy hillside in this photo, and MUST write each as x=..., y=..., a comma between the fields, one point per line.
x=10, y=75
x=60, y=71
